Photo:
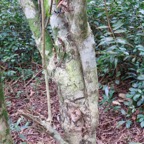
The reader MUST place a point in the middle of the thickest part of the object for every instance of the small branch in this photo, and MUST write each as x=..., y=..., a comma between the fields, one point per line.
x=109, y=25
x=33, y=78
x=44, y=62
x=51, y=131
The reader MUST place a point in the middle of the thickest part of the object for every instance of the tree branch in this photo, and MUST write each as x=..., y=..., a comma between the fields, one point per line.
x=51, y=131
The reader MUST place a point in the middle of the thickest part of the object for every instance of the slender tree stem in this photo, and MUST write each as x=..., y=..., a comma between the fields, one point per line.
x=44, y=62
x=48, y=19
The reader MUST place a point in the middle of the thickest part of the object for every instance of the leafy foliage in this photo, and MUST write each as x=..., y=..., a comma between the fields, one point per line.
x=118, y=27
x=17, y=47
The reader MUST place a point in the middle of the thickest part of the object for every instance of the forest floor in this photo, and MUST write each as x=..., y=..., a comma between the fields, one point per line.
x=30, y=95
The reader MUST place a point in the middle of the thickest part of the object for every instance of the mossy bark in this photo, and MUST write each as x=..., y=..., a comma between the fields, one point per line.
x=5, y=136
x=33, y=17
x=73, y=67
x=77, y=75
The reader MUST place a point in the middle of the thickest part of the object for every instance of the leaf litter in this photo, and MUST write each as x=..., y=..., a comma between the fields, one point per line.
x=32, y=97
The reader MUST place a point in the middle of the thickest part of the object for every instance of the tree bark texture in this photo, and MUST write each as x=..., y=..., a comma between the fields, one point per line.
x=72, y=65
x=5, y=137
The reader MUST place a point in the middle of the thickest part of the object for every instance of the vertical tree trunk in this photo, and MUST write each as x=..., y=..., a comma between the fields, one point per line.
x=5, y=137
x=77, y=75
x=72, y=66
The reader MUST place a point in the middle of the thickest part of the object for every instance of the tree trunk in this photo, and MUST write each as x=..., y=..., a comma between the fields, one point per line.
x=72, y=65
x=5, y=137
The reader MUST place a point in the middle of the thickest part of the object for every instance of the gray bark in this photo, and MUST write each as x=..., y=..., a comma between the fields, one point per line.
x=73, y=67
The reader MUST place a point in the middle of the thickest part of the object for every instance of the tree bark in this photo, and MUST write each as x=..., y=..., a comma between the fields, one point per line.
x=72, y=65
x=5, y=137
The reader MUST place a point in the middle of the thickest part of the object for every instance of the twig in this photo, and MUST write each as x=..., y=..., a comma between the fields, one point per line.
x=109, y=25
x=52, y=132
x=33, y=78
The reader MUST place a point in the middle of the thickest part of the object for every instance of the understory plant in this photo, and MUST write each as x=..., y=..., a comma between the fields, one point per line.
x=17, y=46
x=119, y=32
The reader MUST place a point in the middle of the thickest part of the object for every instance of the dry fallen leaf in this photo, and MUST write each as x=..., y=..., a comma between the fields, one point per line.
x=31, y=92
x=116, y=103
x=99, y=142
x=122, y=95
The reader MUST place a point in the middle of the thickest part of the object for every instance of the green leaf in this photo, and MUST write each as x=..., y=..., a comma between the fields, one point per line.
x=120, y=123
x=136, y=97
x=141, y=77
x=140, y=102
x=106, y=40
x=122, y=41
x=141, y=119
x=22, y=136
x=120, y=31
x=106, y=89
x=117, y=82
x=123, y=112
x=128, y=124
x=135, y=85
x=117, y=25
x=129, y=95
x=103, y=27
x=141, y=11
x=134, y=143
x=142, y=124
x=140, y=116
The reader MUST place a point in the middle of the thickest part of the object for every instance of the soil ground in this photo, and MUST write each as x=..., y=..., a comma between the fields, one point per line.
x=30, y=95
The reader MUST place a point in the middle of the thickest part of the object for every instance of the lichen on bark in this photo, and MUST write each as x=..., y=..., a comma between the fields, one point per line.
x=5, y=136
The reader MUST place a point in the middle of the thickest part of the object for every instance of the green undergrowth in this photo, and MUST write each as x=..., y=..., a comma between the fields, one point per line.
x=17, y=46
x=118, y=27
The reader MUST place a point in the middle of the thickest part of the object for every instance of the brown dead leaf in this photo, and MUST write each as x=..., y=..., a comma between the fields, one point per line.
x=32, y=92
x=99, y=142
x=122, y=95
x=116, y=103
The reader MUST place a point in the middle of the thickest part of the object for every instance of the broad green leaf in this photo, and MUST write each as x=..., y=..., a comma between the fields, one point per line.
x=141, y=77
x=128, y=123
x=142, y=124
x=123, y=112
x=103, y=27
x=141, y=119
x=106, y=89
x=106, y=40
x=129, y=95
x=134, y=143
x=122, y=41
x=140, y=102
x=117, y=25
x=136, y=97
x=141, y=11
x=22, y=136
x=140, y=116
x=120, y=123
x=120, y=31
x=135, y=85
x=117, y=82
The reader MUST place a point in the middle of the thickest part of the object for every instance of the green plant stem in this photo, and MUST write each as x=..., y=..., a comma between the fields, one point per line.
x=108, y=21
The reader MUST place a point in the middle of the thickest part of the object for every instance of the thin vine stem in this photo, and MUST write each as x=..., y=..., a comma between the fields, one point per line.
x=44, y=62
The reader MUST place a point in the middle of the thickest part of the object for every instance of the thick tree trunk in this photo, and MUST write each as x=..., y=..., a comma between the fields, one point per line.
x=72, y=66
x=5, y=137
